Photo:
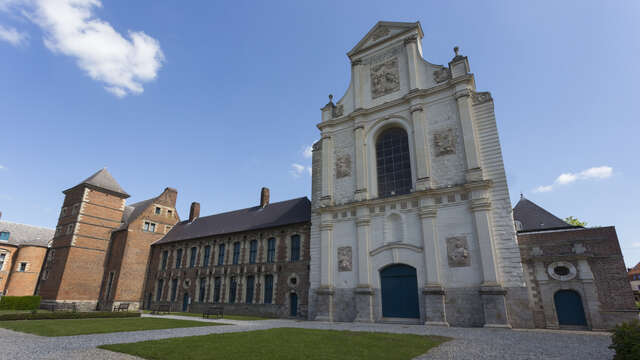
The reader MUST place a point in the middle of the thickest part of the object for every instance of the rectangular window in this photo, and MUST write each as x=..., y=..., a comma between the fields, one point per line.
x=169, y=213
x=2, y=258
x=203, y=284
x=236, y=253
x=165, y=256
x=178, y=258
x=250, y=281
x=146, y=225
x=110, y=284
x=221, y=254
x=271, y=250
x=23, y=267
x=232, y=290
x=217, y=283
x=63, y=212
x=253, y=251
x=207, y=255
x=295, y=248
x=174, y=289
x=74, y=209
x=192, y=259
x=4, y=236
x=69, y=228
x=152, y=228
x=159, y=291
x=158, y=211
x=268, y=289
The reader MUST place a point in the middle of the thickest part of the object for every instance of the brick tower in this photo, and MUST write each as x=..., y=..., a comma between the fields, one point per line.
x=75, y=265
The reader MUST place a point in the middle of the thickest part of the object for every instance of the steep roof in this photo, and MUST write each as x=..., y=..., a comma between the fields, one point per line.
x=21, y=234
x=102, y=179
x=383, y=31
x=131, y=212
x=254, y=218
x=533, y=217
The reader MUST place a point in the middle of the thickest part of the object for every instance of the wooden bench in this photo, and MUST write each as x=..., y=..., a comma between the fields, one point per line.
x=160, y=308
x=121, y=307
x=213, y=310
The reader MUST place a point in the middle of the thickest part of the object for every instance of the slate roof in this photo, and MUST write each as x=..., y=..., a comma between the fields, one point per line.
x=254, y=218
x=102, y=179
x=533, y=217
x=131, y=212
x=21, y=234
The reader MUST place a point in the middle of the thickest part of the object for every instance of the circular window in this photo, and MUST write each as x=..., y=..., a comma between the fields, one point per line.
x=294, y=281
x=562, y=270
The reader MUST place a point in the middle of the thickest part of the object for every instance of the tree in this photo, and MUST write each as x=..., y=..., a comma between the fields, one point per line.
x=573, y=221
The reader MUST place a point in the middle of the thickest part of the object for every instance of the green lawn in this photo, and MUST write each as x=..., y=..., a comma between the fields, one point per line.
x=285, y=343
x=96, y=326
x=231, y=317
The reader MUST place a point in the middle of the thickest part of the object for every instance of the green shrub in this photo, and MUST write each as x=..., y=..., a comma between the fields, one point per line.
x=68, y=315
x=626, y=341
x=19, y=302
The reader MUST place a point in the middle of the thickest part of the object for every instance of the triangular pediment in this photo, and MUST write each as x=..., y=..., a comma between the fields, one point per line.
x=383, y=31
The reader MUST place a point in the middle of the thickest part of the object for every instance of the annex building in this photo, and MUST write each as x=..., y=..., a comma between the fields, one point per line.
x=22, y=252
x=253, y=261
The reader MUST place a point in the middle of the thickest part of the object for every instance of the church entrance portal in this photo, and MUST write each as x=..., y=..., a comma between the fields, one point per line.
x=569, y=308
x=399, y=292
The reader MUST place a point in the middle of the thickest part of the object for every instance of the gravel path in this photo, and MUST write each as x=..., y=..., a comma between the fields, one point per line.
x=468, y=343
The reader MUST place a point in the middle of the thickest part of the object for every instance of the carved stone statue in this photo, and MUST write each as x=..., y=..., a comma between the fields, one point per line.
x=441, y=75
x=344, y=258
x=343, y=166
x=445, y=142
x=458, y=252
x=385, y=78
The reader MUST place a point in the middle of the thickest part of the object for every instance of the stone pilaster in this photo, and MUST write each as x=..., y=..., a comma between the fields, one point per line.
x=361, y=171
x=491, y=292
x=414, y=60
x=432, y=291
x=356, y=69
x=327, y=171
x=474, y=169
x=326, y=291
x=423, y=166
x=364, y=292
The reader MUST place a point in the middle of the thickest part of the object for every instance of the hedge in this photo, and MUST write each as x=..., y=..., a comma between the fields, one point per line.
x=68, y=315
x=19, y=302
x=626, y=341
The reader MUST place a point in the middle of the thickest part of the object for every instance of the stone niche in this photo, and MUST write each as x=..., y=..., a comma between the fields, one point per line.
x=458, y=251
x=385, y=78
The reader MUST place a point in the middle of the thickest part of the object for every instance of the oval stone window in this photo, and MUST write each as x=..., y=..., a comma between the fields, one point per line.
x=561, y=270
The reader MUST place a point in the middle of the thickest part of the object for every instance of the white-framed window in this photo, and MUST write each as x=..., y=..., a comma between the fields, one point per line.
x=158, y=210
x=3, y=258
x=22, y=267
x=149, y=226
x=74, y=209
x=169, y=213
x=69, y=228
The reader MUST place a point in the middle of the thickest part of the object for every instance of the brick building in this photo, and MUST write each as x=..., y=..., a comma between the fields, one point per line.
x=634, y=279
x=576, y=276
x=254, y=261
x=96, y=230
x=23, y=249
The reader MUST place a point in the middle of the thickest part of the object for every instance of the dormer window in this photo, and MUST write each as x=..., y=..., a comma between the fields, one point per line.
x=4, y=236
x=158, y=210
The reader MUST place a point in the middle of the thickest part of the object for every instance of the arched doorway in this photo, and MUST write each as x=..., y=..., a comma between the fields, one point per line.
x=569, y=308
x=185, y=302
x=293, y=303
x=399, y=292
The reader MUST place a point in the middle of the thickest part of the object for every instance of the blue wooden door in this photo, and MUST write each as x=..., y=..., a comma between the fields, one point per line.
x=293, y=301
x=569, y=308
x=185, y=302
x=399, y=292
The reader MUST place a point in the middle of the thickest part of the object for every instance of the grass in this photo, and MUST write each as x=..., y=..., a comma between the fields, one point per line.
x=96, y=326
x=199, y=315
x=285, y=343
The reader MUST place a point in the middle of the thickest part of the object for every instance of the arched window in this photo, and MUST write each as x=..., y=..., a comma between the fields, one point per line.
x=393, y=162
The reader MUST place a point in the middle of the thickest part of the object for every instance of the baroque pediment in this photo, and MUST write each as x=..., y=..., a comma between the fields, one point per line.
x=383, y=31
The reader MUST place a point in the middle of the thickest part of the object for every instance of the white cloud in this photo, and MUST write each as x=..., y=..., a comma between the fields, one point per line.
x=601, y=172
x=309, y=170
x=307, y=152
x=71, y=28
x=636, y=244
x=2, y=167
x=296, y=170
x=13, y=36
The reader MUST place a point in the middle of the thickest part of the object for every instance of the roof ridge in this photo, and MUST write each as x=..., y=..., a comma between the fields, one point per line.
x=34, y=226
x=251, y=207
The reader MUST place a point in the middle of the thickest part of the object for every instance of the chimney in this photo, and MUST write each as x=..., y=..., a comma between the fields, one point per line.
x=194, y=213
x=264, y=197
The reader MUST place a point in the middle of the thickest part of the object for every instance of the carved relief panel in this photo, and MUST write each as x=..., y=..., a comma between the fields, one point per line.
x=458, y=252
x=345, y=258
x=385, y=78
x=445, y=142
x=343, y=166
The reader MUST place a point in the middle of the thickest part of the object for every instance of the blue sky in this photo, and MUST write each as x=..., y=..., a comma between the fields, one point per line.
x=218, y=99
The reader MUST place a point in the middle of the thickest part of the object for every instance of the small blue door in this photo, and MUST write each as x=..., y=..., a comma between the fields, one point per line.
x=569, y=308
x=185, y=302
x=399, y=292
x=293, y=301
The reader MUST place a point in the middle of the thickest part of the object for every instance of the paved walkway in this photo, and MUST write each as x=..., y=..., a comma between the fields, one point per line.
x=468, y=343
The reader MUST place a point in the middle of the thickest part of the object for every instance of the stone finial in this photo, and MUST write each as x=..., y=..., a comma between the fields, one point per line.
x=455, y=50
x=330, y=98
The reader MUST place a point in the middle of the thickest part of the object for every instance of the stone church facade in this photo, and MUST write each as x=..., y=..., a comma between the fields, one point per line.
x=411, y=216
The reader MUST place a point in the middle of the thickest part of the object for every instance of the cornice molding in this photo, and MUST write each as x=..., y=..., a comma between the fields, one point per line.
x=396, y=245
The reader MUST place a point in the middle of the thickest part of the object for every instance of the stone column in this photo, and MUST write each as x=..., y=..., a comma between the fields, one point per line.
x=423, y=167
x=413, y=58
x=364, y=292
x=433, y=292
x=474, y=170
x=327, y=171
x=356, y=66
x=491, y=292
x=360, y=163
x=326, y=291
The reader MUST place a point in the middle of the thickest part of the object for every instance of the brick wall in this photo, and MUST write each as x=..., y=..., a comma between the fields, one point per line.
x=23, y=283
